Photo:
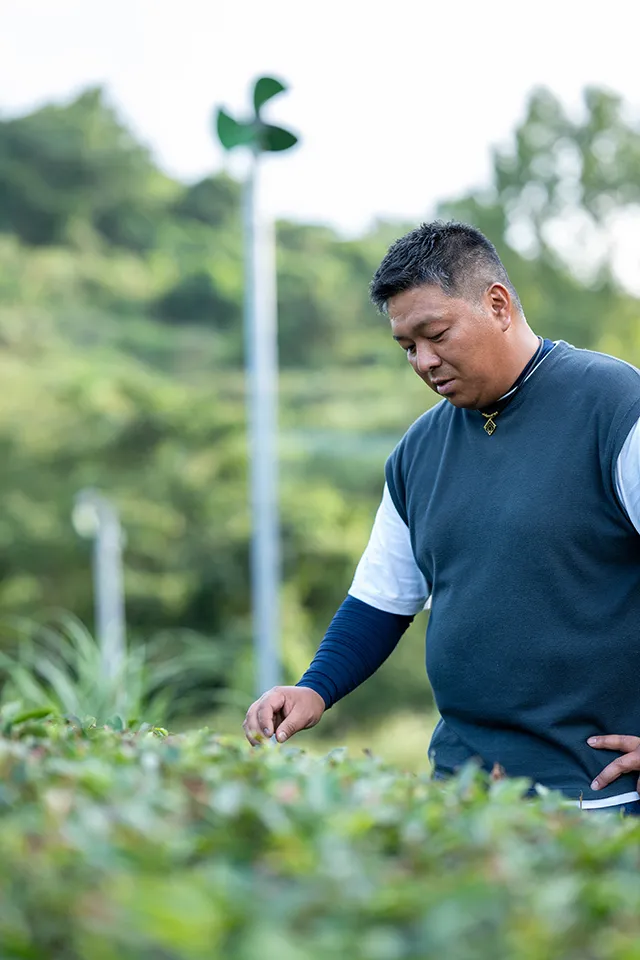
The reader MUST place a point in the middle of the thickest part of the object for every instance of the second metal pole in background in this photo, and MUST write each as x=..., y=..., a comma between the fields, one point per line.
x=95, y=517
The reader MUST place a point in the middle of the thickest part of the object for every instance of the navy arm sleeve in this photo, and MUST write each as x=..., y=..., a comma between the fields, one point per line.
x=359, y=639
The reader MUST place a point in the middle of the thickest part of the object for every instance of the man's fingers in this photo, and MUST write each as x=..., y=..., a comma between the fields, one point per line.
x=614, y=741
x=283, y=710
x=625, y=764
x=259, y=721
x=299, y=718
x=621, y=743
x=286, y=724
x=249, y=731
x=291, y=725
x=267, y=707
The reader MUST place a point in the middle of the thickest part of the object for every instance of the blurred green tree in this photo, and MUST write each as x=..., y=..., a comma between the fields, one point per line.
x=215, y=201
x=78, y=163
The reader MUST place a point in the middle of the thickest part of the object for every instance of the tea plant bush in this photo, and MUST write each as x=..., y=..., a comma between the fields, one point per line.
x=139, y=845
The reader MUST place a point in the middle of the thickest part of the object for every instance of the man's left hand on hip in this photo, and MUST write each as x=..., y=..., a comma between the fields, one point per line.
x=628, y=763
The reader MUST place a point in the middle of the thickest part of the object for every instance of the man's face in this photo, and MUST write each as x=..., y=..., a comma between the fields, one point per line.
x=456, y=346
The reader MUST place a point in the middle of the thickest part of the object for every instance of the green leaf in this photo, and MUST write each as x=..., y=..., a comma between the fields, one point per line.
x=276, y=138
x=116, y=723
x=38, y=713
x=264, y=89
x=232, y=133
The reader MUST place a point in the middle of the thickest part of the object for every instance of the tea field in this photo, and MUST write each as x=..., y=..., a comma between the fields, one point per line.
x=123, y=844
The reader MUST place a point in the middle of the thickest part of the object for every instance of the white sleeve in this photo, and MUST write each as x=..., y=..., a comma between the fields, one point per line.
x=388, y=576
x=628, y=475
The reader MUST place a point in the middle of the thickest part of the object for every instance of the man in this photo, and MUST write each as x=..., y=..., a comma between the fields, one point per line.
x=514, y=505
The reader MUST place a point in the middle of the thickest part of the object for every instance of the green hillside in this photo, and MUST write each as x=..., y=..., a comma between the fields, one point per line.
x=121, y=365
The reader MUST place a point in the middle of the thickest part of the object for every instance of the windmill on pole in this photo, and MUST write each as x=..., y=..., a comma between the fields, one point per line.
x=261, y=350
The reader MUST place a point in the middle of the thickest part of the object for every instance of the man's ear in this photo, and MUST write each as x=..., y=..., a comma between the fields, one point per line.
x=500, y=303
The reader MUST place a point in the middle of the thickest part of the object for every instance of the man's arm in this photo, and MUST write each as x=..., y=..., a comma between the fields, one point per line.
x=628, y=484
x=388, y=576
x=387, y=591
x=628, y=475
x=359, y=639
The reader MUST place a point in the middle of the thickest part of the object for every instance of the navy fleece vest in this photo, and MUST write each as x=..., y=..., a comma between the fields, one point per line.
x=533, y=642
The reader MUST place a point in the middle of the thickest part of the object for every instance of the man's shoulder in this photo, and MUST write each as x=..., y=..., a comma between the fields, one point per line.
x=601, y=371
x=601, y=390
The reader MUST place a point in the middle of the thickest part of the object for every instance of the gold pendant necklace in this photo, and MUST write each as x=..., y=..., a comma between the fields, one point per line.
x=490, y=426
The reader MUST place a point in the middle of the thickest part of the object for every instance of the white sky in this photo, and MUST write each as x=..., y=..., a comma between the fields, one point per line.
x=398, y=103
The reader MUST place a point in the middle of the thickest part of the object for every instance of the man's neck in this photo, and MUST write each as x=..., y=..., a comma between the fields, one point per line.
x=524, y=351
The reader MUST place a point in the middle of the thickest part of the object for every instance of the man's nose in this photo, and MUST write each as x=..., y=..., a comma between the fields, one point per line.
x=426, y=358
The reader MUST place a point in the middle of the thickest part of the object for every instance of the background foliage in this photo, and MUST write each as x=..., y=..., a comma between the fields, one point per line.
x=121, y=364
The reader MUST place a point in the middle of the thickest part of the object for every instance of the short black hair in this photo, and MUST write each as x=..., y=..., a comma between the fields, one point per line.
x=456, y=257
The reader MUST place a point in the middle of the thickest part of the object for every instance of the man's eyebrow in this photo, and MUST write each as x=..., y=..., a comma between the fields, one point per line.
x=418, y=327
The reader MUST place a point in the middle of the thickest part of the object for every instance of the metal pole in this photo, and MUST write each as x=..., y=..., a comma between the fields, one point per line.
x=97, y=518
x=108, y=588
x=261, y=385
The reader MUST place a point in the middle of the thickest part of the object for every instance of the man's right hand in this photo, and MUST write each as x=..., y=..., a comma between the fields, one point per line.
x=283, y=711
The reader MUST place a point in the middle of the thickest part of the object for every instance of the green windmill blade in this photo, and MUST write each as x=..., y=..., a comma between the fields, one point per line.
x=275, y=138
x=254, y=132
x=231, y=133
x=264, y=89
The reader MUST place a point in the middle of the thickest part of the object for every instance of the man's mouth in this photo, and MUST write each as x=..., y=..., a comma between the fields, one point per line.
x=443, y=386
